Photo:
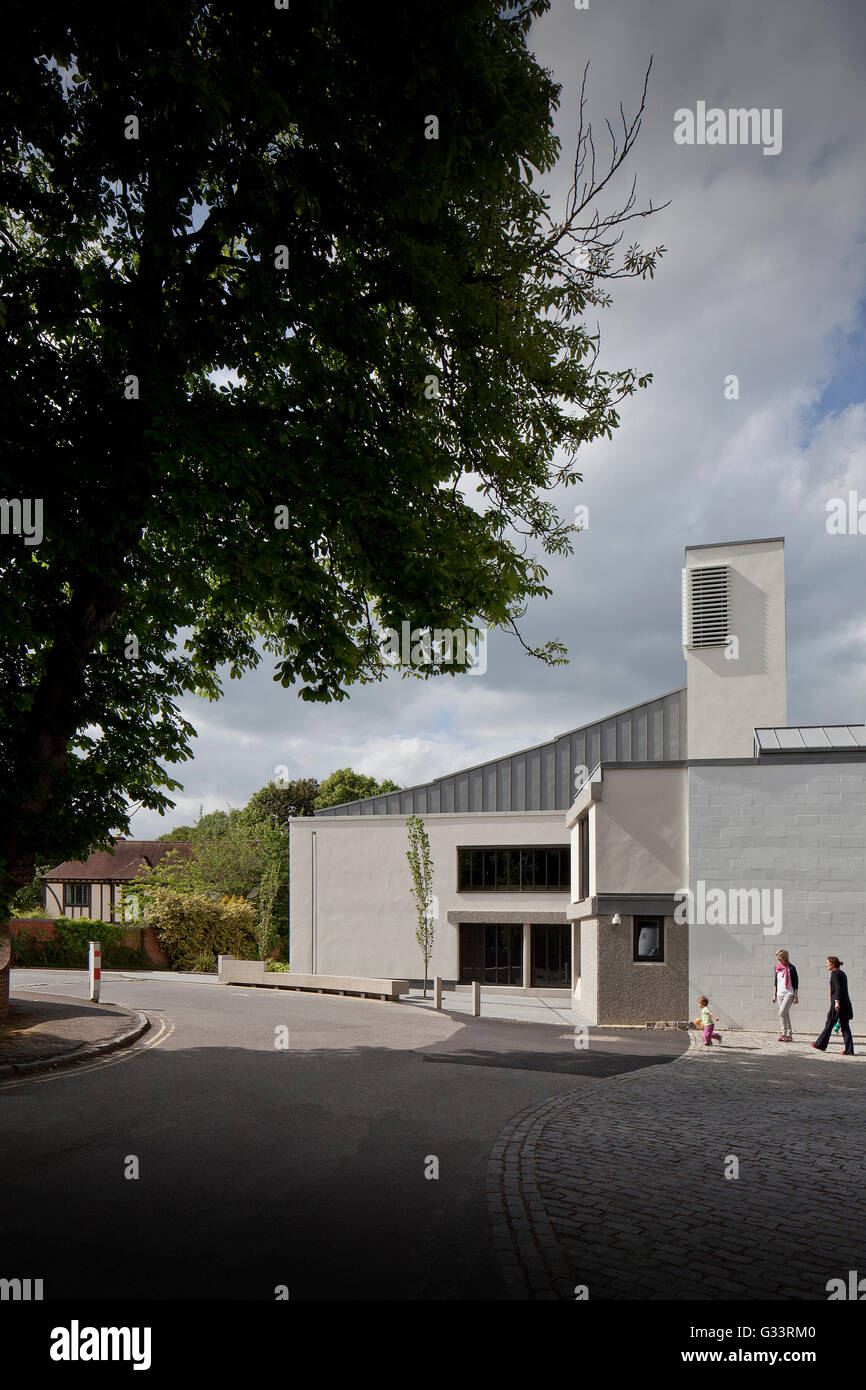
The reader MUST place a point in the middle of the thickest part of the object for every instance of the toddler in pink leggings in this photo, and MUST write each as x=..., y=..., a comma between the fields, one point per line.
x=707, y=1020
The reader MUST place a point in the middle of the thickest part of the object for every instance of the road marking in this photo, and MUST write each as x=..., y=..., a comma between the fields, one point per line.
x=593, y=1037
x=123, y=1054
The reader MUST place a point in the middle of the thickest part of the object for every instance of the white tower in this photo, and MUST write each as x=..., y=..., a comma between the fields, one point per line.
x=734, y=644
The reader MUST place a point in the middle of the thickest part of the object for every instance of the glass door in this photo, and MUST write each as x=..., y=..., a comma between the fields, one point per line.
x=551, y=956
x=491, y=953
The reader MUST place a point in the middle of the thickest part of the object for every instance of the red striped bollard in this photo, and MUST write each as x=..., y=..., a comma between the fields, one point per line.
x=95, y=970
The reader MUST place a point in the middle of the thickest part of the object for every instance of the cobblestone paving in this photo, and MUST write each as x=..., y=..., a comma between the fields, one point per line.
x=623, y=1189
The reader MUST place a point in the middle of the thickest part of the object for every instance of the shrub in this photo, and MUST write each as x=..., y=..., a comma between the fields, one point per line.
x=75, y=934
x=192, y=925
x=277, y=965
x=206, y=963
x=69, y=948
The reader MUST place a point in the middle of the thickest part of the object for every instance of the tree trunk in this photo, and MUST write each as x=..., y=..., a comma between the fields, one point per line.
x=45, y=748
x=5, y=953
x=21, y=868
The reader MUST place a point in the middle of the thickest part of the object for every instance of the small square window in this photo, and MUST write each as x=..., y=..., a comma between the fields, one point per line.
x=649, y=938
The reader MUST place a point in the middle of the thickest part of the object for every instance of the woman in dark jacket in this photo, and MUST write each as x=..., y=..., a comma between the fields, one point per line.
x=840, y=1007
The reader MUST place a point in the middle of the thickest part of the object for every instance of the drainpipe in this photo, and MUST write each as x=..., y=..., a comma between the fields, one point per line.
x=314, y=890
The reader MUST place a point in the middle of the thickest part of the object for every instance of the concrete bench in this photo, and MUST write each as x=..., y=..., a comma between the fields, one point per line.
x=252, y=972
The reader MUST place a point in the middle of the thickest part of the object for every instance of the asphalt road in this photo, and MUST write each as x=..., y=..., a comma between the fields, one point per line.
x=262, y=1165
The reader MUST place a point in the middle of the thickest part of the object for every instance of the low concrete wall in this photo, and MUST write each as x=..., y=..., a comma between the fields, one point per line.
x=240, y=972
x=252, y=972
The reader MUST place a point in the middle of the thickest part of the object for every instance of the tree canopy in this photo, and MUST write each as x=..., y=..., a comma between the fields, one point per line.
x=346, y=785
x=294, y=351
x=279, y=801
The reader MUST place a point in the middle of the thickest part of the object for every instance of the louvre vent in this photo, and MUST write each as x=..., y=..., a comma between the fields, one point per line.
x=705, y=606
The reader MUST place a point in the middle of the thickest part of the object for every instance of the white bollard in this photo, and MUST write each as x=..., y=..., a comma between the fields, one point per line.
x=95, y=963
x=437, y=992
x=476, y=999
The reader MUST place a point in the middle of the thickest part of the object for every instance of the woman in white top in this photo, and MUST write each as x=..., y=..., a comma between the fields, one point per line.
x=785, y=987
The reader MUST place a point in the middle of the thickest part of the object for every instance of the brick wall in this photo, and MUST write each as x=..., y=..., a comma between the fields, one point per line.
x=801, y=828
x=153, y=948
x=46, y=928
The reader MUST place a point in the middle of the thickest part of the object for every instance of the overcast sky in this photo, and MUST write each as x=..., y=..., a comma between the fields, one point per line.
x=763, y=278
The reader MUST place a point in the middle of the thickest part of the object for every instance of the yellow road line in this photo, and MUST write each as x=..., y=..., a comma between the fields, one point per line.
x=123, y=1054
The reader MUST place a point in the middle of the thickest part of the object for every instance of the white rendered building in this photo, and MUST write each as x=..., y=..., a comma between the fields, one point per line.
x=706, y=835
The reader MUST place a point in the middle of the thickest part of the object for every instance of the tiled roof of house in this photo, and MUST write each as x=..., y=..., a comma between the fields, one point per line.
x=123, y=864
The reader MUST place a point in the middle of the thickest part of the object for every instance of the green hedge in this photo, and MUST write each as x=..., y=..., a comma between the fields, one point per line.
x=75, y=934
x=70, y=947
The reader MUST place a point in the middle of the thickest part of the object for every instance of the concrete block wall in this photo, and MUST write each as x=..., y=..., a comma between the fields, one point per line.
x=800, y=828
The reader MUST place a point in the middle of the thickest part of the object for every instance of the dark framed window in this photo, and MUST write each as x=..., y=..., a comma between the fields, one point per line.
x=491, y=953
x=649, y=938
x=510, y=869
x=554, y=869
x=76, y=895
x=583, y=858
x=551, y=956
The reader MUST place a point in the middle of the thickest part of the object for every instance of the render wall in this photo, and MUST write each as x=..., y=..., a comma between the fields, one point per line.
x=639, y=836
x=728, y=698
x=801, y=828
x=364, y=919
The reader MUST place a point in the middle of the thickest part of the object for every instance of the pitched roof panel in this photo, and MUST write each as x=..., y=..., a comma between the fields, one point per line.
x=541, y=778
x=812, y=738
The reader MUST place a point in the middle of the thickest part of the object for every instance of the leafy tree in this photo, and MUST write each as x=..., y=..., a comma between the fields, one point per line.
x=29, y=899
x=421, y=867
x=266, y=929
x=219, y=825
x=294, y=351
x=346, y=785
x=231, y=856
x=278, y=802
